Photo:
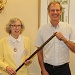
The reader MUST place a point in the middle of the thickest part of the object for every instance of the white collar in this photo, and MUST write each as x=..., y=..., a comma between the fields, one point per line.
x=14, y=40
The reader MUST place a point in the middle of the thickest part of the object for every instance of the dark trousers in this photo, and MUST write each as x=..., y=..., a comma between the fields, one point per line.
x=58, y=70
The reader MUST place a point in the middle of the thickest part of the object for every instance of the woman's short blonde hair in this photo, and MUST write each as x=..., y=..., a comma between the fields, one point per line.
x=11, y=21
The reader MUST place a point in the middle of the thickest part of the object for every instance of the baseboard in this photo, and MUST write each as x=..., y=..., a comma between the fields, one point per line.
x=34, y=74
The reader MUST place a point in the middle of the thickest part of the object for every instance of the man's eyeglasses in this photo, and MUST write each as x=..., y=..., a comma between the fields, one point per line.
x=53, y=10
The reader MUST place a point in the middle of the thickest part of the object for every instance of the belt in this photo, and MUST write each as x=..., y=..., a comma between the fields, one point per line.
x=59, y=66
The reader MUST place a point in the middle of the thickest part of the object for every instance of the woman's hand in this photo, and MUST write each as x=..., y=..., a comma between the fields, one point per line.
x=27, y=62
x=10, y=71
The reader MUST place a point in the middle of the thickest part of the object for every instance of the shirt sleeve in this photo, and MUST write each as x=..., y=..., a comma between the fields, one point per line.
x=39, y=40
x=72, y=34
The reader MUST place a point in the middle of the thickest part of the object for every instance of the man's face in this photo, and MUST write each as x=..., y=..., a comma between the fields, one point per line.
x=54, y=12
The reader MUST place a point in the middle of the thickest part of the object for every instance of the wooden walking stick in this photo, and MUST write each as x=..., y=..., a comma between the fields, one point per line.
x=37, y=50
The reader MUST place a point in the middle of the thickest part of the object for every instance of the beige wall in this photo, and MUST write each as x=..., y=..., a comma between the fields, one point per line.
x=27, y=11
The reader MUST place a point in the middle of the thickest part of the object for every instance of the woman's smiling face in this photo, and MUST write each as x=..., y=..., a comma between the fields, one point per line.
x=16, y=28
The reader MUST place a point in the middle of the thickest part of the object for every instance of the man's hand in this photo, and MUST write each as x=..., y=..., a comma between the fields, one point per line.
x=59, y=35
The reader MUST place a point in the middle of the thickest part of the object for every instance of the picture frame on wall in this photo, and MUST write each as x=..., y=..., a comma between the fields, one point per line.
x=43, y=14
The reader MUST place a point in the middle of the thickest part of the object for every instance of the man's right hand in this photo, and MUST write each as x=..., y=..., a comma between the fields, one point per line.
x=45, y=73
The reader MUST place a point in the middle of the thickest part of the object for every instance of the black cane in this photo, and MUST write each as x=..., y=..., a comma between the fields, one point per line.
x=36, y=51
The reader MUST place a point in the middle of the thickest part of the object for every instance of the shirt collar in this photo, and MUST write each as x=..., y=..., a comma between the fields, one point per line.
x=13, y=39
x=56, y=26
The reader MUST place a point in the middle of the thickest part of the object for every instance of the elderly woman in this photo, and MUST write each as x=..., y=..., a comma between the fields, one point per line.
x=14, y=49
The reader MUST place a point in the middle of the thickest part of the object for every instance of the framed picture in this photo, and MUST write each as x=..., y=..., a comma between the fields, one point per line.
x=43, y=14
